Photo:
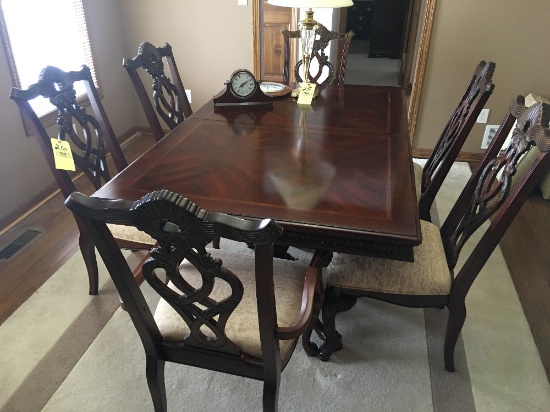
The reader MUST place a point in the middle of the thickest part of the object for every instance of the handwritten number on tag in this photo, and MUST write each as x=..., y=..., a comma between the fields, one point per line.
x=307, y=91
x=62, y=154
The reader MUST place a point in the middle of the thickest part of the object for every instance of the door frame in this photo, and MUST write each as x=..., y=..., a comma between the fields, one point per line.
x=420, y=67
x=257, y=37
x=421, y=53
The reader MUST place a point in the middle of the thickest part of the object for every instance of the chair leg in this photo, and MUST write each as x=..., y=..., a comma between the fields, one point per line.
x=270, y=400
x=88, y=253
x=311, y=348
x=216, y=242
x=272, y=381
x=319, y=260
x=154, y=371
x=334, y=304
x=457, y=316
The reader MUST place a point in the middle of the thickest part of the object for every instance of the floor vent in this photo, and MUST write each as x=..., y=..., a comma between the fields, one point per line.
x=19, y=243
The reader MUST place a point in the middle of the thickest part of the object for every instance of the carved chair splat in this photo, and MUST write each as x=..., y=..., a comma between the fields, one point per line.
x=323, y=38
x=431, y=176
x=169, y=98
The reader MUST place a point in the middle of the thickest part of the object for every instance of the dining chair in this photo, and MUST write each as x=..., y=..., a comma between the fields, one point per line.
x=90, y=137
x=430, y=280
x=325, y=69
x=227, y=311
x=169, y=100
x=429, y=178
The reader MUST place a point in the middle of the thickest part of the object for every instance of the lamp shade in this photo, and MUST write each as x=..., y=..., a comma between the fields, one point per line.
x=311, y=3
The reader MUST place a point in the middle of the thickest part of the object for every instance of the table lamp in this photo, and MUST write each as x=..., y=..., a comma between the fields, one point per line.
x=308, y=25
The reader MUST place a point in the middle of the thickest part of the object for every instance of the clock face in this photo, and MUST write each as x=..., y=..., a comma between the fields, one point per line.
x=243, y=83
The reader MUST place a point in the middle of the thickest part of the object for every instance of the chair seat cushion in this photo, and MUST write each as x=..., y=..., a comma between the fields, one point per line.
x=242, y=326
x=417, y=169
x=427, y=275
x=130, y=233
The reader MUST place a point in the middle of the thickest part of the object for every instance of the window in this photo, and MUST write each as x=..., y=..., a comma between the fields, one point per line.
x=38, y=33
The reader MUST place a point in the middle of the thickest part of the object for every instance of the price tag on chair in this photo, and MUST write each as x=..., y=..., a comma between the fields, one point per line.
x=62, y=154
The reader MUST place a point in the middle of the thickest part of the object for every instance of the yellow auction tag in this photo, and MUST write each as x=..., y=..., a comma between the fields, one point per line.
x=62, y=154
x=307, y=91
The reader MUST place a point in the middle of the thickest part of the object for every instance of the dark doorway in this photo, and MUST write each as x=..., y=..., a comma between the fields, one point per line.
x=377, y=49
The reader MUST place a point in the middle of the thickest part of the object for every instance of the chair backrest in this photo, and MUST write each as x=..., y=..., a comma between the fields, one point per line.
x=494, y=194
x=516, y=109
x=169, y=98
x=322, y=40
x=454, y=135
x=90, y=135
x=182, y=230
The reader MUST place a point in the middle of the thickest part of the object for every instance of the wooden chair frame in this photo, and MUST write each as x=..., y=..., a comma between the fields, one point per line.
x=318, y=53
x=169, y=98
x=182, y=230
x=489, y=193
x=454, y=135
x=91, y=138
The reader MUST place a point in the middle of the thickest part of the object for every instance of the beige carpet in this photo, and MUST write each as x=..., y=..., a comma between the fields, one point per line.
x=360, y=69
x=66, y=351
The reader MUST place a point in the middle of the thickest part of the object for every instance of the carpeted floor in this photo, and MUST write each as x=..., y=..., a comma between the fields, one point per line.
x=362, y=69
x=66, y=351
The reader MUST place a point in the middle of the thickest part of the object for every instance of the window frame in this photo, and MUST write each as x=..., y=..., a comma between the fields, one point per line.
x=49, y=118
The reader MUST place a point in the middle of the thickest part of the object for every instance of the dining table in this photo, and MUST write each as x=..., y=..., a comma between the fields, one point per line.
x=336, y=174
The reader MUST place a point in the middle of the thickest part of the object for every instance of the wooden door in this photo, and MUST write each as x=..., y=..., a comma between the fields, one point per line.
x=275, y=20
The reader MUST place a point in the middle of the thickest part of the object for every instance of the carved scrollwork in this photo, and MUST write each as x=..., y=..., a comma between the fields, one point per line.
x=166, y=98
x=323, y=37
x=205, y=317
x=495, y=182
x=151, y=59
x=75, y=125
x=357, y=246
x=167, y=101
x=180, y=228
x=334, y=304
x=481, y=82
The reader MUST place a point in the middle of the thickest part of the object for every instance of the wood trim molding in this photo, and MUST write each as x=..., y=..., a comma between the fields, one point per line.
x=420, y=69
x=257, y=27
x=469, y=157
x=411, y=39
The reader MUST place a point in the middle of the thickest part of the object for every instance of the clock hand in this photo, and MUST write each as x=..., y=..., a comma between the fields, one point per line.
x=243, y=83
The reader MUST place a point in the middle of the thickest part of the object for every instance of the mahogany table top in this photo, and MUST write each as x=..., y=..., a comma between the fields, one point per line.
x=336, y=178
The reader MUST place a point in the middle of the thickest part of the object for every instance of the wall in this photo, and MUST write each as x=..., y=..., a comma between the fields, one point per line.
x=510, y=33
x=210, y=39
x=23, y=170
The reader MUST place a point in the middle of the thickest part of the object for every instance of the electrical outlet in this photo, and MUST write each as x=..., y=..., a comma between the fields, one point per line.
x=490, y=131
x=188, y=93
x=483, y=116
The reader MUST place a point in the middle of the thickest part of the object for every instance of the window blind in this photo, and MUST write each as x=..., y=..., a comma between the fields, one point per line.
x=38, y=33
